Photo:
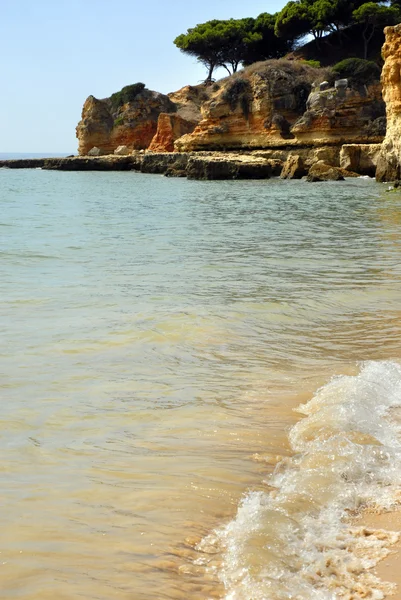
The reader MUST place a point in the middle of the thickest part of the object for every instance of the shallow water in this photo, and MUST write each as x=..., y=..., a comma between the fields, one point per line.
x=155, y=336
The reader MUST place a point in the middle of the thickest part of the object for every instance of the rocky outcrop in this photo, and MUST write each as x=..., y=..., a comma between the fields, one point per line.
x=360, y=158
x=389, y=160
x=273, y=104
x=215, y=167
x=170, y=127
x=282, y=104
x=133, y=124
x=322, y=172
x=294, y=167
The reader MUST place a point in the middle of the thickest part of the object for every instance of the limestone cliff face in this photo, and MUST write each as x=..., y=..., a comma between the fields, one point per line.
x=170, y=127
x=271, y=104
x=188, y=101
x=389, y=163
x=132, y=124
x=281, y=103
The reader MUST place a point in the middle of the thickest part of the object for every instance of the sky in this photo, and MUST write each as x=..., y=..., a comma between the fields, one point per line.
x=54, y=54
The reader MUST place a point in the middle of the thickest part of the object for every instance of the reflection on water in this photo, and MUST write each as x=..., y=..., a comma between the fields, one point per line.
x=156, y=335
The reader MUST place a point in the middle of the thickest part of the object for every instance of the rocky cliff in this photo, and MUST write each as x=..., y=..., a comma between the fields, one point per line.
x=287, y=103
x=389, y=163
x=273, y=104
x=132, y=119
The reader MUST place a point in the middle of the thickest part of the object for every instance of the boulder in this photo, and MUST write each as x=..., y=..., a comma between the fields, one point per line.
x=95, y=151
x=122, y=151
x=293, y=168
x=341, y=84
x=322, y=172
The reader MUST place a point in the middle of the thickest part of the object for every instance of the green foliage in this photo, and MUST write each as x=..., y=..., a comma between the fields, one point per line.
x=118, y=122
x=294, y=20
x=266, y=45
x=358, y=70
x=313, y=63
x=316, y=17
x=238, y=92
x=206, y=42
x=374, y=16
x=228, y=43
x=127, y=94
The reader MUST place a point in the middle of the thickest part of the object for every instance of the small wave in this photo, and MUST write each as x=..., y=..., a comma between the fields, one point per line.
x=298, y=541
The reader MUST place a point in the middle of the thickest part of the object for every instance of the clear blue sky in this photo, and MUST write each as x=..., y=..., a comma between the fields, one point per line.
x=55, y=53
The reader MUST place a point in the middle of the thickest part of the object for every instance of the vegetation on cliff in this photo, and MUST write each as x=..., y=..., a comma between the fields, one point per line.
x=230, y=43
x=127, y=94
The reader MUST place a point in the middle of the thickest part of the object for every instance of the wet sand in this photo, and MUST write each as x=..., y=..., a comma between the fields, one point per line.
x=389, y=569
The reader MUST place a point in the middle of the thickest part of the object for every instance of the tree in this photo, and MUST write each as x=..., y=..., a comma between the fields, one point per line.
x=267, y=45
x=316, y=17
x=374, y=16
x=294, y=21
x=205, y=43
x=237, y=35
x=228, y=43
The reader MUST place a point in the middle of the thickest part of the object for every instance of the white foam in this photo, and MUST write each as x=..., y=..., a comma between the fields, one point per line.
x=296, y=542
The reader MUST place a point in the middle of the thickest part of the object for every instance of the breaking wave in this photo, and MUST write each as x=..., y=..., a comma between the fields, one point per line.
x=301, y=539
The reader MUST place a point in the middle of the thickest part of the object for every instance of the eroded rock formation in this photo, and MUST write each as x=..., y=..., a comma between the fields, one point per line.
x=283, y=103
x=150, y=120
x=389, y=161
x=132, y=124
x=273, y=104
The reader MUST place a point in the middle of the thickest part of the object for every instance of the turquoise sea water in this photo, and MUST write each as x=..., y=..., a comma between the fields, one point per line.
x=155, y=335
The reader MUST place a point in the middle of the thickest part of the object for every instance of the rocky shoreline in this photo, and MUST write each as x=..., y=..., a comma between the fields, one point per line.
x=348, y=160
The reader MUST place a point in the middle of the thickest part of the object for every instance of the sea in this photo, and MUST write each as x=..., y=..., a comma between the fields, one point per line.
x=200, y=386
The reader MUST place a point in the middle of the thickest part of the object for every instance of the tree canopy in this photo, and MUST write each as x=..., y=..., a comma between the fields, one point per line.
x=232, y=42
x=317, y=17
x=374, y=16
x=229, y=43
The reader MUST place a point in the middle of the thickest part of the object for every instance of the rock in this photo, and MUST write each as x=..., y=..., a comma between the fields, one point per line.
x=341, y=84
x=341, y=115
x=324, y=86
x=160, y=162
x=95, y=151
x=214, y=167
x=132, y=124
x=273, y=105
x=322, y=172
x=360, y=158
x=170, y=127
x=173, y=172
x=389, y=159
x=293, y=168
x=122, y=151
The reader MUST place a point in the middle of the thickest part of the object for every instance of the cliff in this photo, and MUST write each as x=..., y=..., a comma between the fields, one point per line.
x=131, y=118
x=389, y=163
x=287, y=103
x=272, y=104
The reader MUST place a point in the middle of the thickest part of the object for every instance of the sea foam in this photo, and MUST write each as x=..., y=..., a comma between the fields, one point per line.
x=302, y=540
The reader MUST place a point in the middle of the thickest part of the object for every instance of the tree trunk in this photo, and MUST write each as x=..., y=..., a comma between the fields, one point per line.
x=209, y=75
x=366, y=39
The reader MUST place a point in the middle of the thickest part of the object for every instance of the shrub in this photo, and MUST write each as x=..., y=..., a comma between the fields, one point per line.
x=118, y=122
x=238, y=92
x=312, y=63
x=127, y=94
x=358, y=70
